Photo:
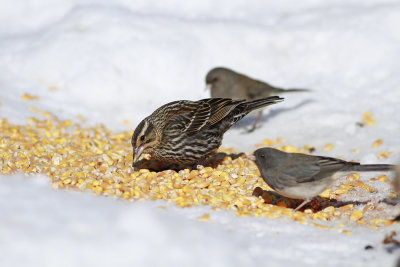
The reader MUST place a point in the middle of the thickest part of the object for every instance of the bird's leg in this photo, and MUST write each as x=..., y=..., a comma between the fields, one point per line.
x=255, y=123
x=301, y=205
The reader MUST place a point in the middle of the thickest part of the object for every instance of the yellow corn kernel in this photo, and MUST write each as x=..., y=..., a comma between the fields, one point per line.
x=203, y=184
x=377, y=143
x=383, y=178
x=329, y=210
x=326, y=193
x=347, y=207
x=328, y=147
x=290, y=149
x=98, y=189
x=341, y=191
x=321, y=226
x=368, y=118
x=347, y=232
x=356, y=215
x=389, y=222
x=280, y=140
x=378, y=221
x=29, y=97
x=268, y=142
x=67, y=181
x=384, y=154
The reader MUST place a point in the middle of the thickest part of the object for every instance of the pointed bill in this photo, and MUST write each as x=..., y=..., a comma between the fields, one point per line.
x=208, y=87
x=138, y=153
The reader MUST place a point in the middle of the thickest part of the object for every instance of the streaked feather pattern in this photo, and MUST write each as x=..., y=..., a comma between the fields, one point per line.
x=188, y=131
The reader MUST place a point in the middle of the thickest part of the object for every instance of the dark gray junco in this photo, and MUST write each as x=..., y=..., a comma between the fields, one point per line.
x=302, y=176
x=224, y=82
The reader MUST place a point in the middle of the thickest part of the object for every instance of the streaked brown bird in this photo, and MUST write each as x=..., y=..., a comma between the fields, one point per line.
x=224, y=82
x=189, y=131
x=301, y=176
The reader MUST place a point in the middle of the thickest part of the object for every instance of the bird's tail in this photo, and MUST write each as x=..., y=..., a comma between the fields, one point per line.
x=262, y=102
x=373, y=167
x=290, y=90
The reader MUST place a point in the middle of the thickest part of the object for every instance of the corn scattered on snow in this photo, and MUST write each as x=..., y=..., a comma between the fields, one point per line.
x=99, y=160
x=204, y=218
x=368, y=118
x=377, y=143
x=328, y=147
x=29, y=97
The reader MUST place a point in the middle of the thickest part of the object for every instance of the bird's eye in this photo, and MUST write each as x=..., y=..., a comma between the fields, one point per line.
x=262, y=155
x=142, y=138
x=214, y=80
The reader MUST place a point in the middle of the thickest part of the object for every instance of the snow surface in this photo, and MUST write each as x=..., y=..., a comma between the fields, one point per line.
x=119, y=60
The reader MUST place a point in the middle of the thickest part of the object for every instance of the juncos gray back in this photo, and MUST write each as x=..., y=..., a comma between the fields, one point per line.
x=301, y=176
x=224, y=82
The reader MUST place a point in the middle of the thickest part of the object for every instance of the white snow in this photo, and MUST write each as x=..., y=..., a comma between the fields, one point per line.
x=119, y=60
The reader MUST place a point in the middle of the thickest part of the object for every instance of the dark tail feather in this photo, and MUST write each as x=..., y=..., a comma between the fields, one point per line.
x=296, y=90
x=291, y=90
x=259, y=103
x=373, y=167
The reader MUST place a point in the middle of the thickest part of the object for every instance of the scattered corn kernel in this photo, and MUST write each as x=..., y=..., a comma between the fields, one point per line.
x=98, y=160
x=368, y=118
x=321, y=226
x=341, y=191
x=328, y=147
x=280, y=140
x=29, y=97
x=347, y=232
x=377, y=143
x=268, y=142
x=384, y=154
x=290, y=149
x=326, y=193
x=204, y=218
x=383, y=178
x=356, y=215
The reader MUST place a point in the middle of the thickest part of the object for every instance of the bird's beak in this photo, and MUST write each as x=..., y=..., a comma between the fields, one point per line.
x=208, y=87
x=138, y=152
x=251, y=157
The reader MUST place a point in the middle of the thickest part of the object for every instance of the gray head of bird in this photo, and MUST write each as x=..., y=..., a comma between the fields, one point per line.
x=219, y=75
x=269, y=158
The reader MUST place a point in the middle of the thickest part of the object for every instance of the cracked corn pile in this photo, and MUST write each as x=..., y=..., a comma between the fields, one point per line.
x=96, y=159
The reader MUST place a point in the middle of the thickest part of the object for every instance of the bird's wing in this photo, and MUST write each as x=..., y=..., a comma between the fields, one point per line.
x=258, y=89
x=220, y=108
x=185, y=116
x=303, y=172
x=321, y=167
x=190, y=117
